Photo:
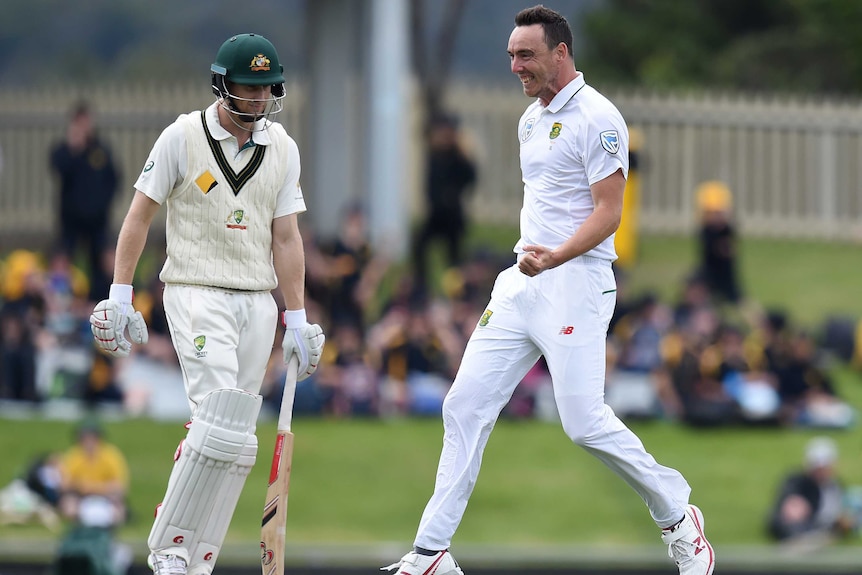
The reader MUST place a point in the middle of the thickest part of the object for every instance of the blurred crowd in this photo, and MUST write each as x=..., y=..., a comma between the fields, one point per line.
x=395, y=354
x=396, y=330
x=715, y=356
x=393, y=345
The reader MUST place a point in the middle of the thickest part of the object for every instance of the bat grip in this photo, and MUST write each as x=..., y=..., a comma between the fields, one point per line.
x=285, y=414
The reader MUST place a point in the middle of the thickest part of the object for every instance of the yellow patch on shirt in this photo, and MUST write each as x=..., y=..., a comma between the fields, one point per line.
x=206, y=182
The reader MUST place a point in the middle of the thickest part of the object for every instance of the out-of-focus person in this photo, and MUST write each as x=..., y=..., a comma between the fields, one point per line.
x=93, y=490
x=808, y=395
x=22, y=317
x=33, y=497
x=17, y=359
x=95, y=479
x=810, y=506
x=354, y=270
x=449, y=177
x=718, y=241
x=87, y=179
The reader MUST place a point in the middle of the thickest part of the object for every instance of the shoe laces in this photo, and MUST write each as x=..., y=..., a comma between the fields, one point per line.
x=680, y=550
x=168, y=565
x=684, y=550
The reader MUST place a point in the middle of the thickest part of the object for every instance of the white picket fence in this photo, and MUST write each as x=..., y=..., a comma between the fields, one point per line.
x=793, y=164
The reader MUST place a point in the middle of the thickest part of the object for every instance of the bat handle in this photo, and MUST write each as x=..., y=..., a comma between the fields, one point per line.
x=285, y=414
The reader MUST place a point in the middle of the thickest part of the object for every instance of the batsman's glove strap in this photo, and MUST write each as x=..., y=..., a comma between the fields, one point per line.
x=293, y=318
x=122, y=293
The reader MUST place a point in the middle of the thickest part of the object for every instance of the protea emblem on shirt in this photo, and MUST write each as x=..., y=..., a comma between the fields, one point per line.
x=555, y=130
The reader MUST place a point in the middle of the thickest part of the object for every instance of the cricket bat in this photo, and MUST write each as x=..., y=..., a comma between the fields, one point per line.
x=272, y=528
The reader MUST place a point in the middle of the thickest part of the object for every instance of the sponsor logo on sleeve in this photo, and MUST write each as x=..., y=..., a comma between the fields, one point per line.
x=610, y=140
x=527, y=129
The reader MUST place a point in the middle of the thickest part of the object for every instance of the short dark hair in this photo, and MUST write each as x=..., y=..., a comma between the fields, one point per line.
x=554, y=24
x=80, y=108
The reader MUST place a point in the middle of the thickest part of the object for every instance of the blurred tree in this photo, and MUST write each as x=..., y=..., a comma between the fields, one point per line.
x=763, y=45
x=46, y=41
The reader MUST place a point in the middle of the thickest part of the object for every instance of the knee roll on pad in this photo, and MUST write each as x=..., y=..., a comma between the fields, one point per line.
x=208, y=475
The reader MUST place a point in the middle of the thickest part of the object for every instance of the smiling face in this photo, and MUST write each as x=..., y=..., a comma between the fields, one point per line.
x=542, y=71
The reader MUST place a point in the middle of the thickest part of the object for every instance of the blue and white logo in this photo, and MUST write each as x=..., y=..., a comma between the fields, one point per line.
x=527, y=130
x=610, y=141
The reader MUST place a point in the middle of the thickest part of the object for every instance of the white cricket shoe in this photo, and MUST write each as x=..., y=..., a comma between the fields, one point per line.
x=687, y=544
x=166, y=564
x=441, y=563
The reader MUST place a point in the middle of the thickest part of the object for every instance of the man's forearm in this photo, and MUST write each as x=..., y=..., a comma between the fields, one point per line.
x=289, y=262
x=133, y=237
x=130, y=246
x=595, y=229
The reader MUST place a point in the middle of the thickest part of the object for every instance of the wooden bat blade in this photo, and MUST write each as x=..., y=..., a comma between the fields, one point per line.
x=273, y=525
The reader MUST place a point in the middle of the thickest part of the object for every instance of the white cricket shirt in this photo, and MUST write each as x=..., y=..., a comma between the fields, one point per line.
x=167, y=164
x=579, y=139
x=221, y=200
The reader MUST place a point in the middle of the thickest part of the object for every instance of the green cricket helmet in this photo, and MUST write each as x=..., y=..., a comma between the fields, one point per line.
x=250, y=60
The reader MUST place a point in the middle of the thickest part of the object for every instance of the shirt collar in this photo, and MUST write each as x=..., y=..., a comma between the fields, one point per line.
x=564, y=95
x=260, y=136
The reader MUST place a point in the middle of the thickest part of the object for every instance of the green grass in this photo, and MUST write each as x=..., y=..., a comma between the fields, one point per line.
x=367, y=481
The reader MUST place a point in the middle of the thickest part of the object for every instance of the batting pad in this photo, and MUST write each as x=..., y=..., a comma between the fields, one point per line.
x=208, y=475
x=204, y=551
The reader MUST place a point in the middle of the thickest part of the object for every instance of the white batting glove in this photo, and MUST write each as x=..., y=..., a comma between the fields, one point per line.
x=303, y=339
x=112, y=316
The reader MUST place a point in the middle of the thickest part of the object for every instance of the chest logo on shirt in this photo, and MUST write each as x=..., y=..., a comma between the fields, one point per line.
x=555, y=130
x=486, y=317
x=206, y=182
x=527, y=130
x=235, y=219
x=610, y=140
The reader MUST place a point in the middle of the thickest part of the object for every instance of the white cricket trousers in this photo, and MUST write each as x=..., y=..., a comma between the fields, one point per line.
x=223, y=339
x=563, y=314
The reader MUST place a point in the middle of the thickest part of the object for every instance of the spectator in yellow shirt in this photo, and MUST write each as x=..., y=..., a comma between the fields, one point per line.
x=95, y=479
